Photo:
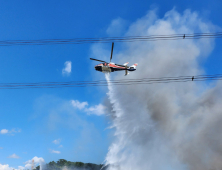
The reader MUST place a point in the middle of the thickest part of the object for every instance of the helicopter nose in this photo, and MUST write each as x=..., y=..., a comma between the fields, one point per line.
x=98, y=68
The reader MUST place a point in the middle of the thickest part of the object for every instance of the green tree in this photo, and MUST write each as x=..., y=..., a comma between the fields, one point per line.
x=62, y=162
x=79, y=164
x=37, y=168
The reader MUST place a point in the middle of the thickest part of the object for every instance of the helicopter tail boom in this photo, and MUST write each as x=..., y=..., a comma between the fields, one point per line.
x=134, y=65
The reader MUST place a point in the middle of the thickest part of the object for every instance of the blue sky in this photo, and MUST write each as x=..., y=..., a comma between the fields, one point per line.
x=31, y=119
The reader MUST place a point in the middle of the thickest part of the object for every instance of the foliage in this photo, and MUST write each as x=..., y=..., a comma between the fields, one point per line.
x=62, y=163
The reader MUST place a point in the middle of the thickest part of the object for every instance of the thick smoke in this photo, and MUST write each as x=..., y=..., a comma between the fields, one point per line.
x=166, y=126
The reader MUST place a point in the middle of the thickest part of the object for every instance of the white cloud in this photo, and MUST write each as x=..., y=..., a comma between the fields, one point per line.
x=4, y=131
x=20, y=168
x=54, y=151
x=60, y=146
x=14, y=156
x=96, y=110
x=15, y=131
x=56, y=141
x=37, y=161
x=117, y=27
x=5, y=167
x=28, y=164
x=68, y=68
x=79, y=105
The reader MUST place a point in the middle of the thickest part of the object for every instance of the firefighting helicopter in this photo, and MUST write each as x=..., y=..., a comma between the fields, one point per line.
x=106, y=67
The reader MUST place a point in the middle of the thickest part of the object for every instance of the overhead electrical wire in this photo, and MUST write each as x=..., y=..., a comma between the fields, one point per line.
x=111, y=39
x=112, y=82
x=108, y=40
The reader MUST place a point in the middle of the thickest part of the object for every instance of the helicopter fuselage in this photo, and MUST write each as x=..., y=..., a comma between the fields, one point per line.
x=111, y=67
x=106, y=67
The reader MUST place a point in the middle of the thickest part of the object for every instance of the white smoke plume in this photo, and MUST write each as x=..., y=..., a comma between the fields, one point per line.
x=174, y=126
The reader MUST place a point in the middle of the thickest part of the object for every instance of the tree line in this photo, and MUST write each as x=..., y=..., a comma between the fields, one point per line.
x=63, y=164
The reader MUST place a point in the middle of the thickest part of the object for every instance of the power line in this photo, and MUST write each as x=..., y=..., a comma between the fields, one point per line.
x=111, y=39
x=146, y=81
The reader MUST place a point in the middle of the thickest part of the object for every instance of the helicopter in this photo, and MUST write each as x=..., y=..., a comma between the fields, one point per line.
x=106, y=67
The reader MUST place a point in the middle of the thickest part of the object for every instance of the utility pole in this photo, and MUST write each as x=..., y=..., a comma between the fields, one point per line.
x=33, y=164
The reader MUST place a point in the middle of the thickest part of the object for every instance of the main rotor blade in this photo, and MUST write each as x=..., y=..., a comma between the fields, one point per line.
x=98, y=60
x=111, y=52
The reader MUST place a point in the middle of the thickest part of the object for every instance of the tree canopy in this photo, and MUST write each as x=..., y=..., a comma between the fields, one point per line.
x=62, y=164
